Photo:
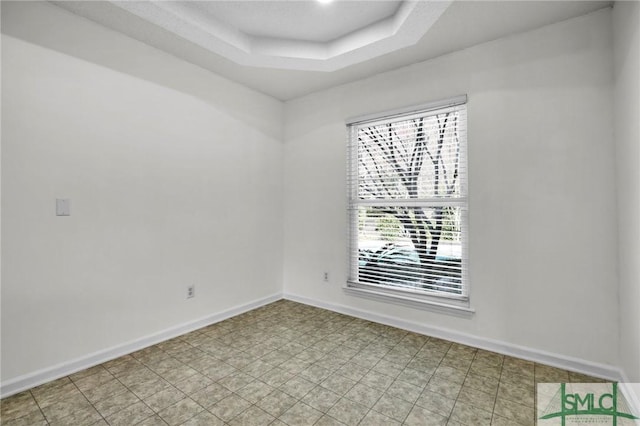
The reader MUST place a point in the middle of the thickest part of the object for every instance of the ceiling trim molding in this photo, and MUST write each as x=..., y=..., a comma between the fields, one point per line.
x=405, y=28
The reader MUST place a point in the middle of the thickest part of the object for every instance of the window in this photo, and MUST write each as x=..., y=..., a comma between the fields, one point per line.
x=408, y=204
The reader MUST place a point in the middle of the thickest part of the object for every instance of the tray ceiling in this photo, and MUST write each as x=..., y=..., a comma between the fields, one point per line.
x=289, y=48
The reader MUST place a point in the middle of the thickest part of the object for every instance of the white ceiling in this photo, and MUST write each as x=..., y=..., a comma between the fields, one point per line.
x=296, y=35
x=297, y=20
x=287, y=49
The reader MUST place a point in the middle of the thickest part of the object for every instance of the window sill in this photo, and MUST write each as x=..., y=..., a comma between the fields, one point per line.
x=380, y=295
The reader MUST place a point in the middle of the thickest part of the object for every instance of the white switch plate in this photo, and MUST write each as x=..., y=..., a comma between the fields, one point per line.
x=63, y=207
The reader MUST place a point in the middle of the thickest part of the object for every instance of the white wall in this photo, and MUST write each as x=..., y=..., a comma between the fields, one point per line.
x=541, y=177
x=626, y=21
x=174, y=176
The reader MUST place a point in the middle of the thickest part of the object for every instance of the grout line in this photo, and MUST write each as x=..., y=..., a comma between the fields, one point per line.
x=495, y=402
x=39, y=408
x=313, y=326
x=85, y=397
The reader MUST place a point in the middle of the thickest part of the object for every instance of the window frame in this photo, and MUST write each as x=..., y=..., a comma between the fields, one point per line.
x=418, y=298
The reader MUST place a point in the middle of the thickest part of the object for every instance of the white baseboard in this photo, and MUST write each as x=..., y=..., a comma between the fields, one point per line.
x=555, y=360
x=45, y=375
x=631, y=392
x=30, y=380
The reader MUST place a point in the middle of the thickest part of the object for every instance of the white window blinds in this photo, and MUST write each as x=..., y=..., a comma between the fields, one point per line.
x=408, y=202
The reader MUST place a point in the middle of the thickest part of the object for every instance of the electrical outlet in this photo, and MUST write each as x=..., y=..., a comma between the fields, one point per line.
x=191, y=291
x=326, y=277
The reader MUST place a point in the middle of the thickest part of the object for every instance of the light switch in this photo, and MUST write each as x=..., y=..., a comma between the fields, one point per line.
x=63, y=207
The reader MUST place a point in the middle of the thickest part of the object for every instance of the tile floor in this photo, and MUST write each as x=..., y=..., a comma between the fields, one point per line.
x=293, y=364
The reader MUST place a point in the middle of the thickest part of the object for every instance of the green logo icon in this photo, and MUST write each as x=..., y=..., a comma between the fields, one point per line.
x=582, y=403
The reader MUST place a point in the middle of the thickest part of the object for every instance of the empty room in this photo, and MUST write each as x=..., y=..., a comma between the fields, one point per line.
x=381, y=212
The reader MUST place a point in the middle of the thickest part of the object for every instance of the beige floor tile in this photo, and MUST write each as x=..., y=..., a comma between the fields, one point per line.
x=374, y=418
x=424, y=365
x=241, y=360
x=433, y=353
x=352, y=371
x=519, y=394
x=377, y=380
x=219, y=371
x=255, y=391
x=462, y=351
x=257, y=368
x=178, y=374
x=131, y=415
x=253, y=416
x=180, y=412
x=315, y=373
x=193, y=383
x=276, y=403
x=321, y=399
x=393, y=407
x=469, y=415
x=112, y=405
x=100, y=377
x=147, y=388
x=203, y=363
x=154, y=420
x=522, y=414
x=451, y=374
x=444, y=387
x=276, y=377
x=35, y=418
x=205, y=418
x=525, y=368
x=86, y=415
x=481, y=369
x=327, y=420
x=348, y=412
x=483, y=383
x=365, y=360
x=338, y=384
x=518, y=380
x=404, y=390
x=501, y=421
x=211, y=394
x=364, y=395
x=236, y=381
x=163, y=399
x=301, y=414
x=18, y=405
x=88, y=372
x=122, y=365
x=547, y=374
x=289, y=363
x=325, y=345
x=436, y=403
x=583, y=378
x=65, y=407
x=458, y=363
x=488, y=357
x=52, y=392
x=189, y=356
x=399, y=358
x=415, y=377
x=229, y=407
x=275, y=358
x=297, y=387
x=388, y=368
x=105, y=390
x=136, y=375
x=422, y=417
x=296, y=365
